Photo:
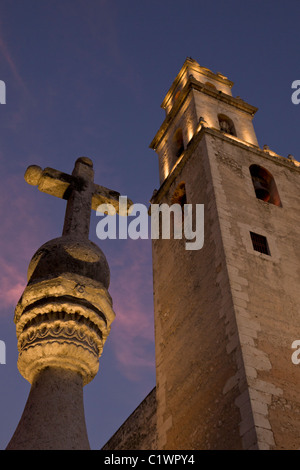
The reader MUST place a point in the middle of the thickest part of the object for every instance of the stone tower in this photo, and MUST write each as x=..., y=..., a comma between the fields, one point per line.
x=64, y=316
x=226, y=315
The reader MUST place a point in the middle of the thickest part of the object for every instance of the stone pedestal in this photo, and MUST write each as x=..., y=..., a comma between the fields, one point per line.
x=62, y=322
x=53, y=417
x=64, y=315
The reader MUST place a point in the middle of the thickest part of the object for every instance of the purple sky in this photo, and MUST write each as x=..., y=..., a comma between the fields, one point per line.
x=87, y=78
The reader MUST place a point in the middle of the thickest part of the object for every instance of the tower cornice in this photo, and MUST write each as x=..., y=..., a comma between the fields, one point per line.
x=193, y=84
x=265, y=154
x=190, y=66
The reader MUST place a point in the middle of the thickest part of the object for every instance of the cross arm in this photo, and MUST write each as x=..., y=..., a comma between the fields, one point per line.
x=49, y=181
x=102, y=195
x=59, y=184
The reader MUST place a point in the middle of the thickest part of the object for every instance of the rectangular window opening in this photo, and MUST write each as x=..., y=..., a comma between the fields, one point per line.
x=260, y=243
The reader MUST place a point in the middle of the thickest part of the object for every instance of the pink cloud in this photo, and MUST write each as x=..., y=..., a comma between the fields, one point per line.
x=12, y=284
x=10, y=61
x=20, y=233
x=23, y=229
x=133, y=330
x=14, y=115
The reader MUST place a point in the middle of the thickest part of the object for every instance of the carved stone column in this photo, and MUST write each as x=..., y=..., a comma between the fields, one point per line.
x=62, y=321
x=53, y=417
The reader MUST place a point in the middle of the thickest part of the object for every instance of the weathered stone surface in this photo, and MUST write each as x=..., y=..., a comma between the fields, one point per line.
x=198, y=380
x=63, y=317
x=79, y=188
x=225, y=316
x=63, y=321
x=53, y=417
x=69, y=255
x=139, y=431
x=256, y=294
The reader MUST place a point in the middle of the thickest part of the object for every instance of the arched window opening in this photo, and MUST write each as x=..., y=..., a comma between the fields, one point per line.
x=264, y=185
x=226, y=124
x=178, y=143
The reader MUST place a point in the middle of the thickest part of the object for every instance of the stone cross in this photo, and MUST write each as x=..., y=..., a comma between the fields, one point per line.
x=78, y=189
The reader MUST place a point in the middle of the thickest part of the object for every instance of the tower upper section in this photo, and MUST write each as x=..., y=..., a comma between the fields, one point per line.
x=198, y=97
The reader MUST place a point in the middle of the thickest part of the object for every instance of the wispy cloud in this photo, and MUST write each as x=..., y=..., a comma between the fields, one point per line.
x=20, y=232
x=118, y=65
x=133, y=330
x=5, y=52
x=12, y=283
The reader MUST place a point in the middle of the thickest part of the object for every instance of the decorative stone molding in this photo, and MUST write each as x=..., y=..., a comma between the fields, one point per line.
x=63, y=322
x=64, y=315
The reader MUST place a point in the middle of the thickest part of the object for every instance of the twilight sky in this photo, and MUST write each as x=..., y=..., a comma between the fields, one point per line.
x=87, y=77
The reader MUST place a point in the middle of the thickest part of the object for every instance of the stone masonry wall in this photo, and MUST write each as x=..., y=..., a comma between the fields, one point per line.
x=138, y=432
x=196, y=407
x=265, y=289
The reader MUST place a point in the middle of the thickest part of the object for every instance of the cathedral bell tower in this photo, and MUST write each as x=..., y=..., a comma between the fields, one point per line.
x=226, y=315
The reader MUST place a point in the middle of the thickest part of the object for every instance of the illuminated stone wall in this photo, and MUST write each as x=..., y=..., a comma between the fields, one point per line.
x=138, y=432
x=226, y=316
x=193, y=304
x=198, y=93
x=265, y=288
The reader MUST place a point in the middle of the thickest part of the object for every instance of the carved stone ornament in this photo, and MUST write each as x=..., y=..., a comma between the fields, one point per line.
x=63, y=321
